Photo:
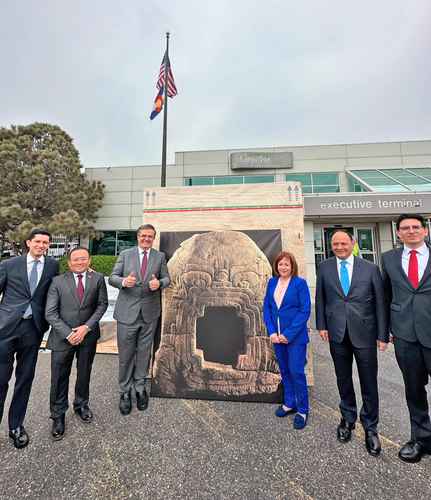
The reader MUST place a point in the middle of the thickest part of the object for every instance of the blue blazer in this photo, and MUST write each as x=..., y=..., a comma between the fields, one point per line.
x=294, y=311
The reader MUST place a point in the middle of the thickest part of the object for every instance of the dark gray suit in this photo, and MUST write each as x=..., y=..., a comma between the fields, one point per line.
x=64, y=311
x=410, y=324
x=18, y=336
x=137, y=313
x=354, y=323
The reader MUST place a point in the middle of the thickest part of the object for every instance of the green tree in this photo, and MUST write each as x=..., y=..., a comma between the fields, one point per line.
x=42, y=184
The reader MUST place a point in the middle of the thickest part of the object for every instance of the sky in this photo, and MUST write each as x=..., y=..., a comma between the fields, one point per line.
x=249, y=73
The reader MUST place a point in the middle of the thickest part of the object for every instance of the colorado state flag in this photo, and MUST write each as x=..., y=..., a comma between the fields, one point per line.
x=158, y=104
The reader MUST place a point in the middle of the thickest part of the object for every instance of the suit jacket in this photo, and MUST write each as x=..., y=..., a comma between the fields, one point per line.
x=362, y=311
x=64, y=311
x=140, y=299
x=294, y=310
x=409, y=308
x=16, y=294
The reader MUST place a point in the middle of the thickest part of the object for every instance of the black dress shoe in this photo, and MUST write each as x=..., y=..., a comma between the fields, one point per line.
x=412, y=451
x=125, y=404
x=85, y=414
x=344, y=431
x=142, y=400
x=372, y=443
x=58, y=427
x=19, y=436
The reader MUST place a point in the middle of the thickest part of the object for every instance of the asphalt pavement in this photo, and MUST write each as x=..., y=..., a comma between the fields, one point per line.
x=190, y=449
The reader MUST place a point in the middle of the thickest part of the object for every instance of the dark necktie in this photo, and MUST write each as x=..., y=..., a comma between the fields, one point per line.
x=80, y=288
x=144, y=265
x=413, y=272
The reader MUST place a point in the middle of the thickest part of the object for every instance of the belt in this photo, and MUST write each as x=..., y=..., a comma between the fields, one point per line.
x=28, y=317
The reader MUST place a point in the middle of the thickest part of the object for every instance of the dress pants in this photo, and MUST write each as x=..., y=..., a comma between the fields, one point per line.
x=292, y=359
x=366, y=361
x=61, y=366
x=134, y=353
x=414, y=361
x=24, y=348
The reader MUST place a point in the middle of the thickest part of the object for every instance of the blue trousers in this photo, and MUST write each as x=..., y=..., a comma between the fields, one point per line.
x=291, y=361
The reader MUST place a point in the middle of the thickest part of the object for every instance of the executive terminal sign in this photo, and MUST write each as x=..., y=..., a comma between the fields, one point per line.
x=258, y=160
x=369, y=204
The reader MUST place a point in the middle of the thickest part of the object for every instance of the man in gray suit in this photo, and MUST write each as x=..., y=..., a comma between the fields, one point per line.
x=407, y=281
x=351, y=315
x=76, y=302
x=140, y=273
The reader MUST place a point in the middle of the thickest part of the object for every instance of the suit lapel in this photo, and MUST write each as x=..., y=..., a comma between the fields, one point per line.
x=399, y=264
x=355, y=272
x=151, y=256
x=136, y=258
x=70, y=280
x=24, y=274
x=335, y=276
x=427, y=270
x=89, y=284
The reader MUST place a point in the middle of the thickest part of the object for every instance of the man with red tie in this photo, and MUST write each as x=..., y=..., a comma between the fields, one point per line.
x=76, y=302
x=407, y=281
x=140, y=273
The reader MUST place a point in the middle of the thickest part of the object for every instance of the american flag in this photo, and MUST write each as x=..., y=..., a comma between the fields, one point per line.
x=172, y=89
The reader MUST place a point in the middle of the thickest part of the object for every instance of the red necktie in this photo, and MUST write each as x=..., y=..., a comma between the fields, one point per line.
x=413, y=272
x=80, y=288
x=144, y=265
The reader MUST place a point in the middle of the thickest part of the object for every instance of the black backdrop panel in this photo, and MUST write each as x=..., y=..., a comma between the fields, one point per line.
x=220, y=333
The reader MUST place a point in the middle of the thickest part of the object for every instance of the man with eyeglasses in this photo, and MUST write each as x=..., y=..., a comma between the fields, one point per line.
x=140, y=273
x=407, y=281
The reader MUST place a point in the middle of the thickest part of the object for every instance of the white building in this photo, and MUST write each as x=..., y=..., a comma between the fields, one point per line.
x=361, y=187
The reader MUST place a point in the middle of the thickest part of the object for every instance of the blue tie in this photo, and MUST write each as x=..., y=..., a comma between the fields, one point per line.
x=344, y=277
x=32, y=281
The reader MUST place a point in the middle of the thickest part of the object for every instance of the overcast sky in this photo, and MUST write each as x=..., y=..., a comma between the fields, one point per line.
x=249, y=73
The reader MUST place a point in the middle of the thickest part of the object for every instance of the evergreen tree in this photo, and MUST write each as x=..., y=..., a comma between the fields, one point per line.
x=42, y=184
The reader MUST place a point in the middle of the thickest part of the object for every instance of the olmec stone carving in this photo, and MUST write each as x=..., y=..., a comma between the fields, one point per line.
x=215, y=269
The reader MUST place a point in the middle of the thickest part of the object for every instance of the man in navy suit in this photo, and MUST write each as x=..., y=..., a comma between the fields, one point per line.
x=351, y=315
x=407, y=282
x=24, y=283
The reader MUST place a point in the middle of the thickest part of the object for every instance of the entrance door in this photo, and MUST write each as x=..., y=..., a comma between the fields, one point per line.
x=328, y=232
x=364, y=235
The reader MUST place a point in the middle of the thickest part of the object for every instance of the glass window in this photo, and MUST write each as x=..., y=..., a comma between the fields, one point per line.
x=229, y=179
x=125, y=239
x=304, y=178
x=252, y=179
x=325, y=178
x=113, y=242
x=105, y=245
x=317, y=182
x=198, y=181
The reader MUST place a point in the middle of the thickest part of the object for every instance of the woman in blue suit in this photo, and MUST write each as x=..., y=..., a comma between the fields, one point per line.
x=286, y=310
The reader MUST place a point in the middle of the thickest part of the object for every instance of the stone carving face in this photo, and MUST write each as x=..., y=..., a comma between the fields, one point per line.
x=223, y=269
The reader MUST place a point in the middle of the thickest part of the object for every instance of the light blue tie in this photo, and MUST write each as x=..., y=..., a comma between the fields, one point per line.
x=344, y=277
x=32, y=281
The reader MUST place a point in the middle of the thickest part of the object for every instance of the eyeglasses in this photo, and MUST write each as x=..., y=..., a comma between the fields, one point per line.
x=411, y=228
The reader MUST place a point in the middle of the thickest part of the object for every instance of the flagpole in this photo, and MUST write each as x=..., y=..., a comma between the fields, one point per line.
x=165, y=114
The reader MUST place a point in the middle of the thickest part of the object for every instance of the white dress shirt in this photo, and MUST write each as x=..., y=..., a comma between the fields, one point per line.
x=422, y=255
x=349, y=266
x=30, y=261
x=75, y=275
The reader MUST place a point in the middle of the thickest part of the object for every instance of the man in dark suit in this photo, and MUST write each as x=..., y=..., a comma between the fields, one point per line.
x=76, y=302
x=140, y=273
x=351, y=315
x=407, y=282
x=24, y=283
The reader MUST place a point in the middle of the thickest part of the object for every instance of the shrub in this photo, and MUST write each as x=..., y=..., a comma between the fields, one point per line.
x=101, y=263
